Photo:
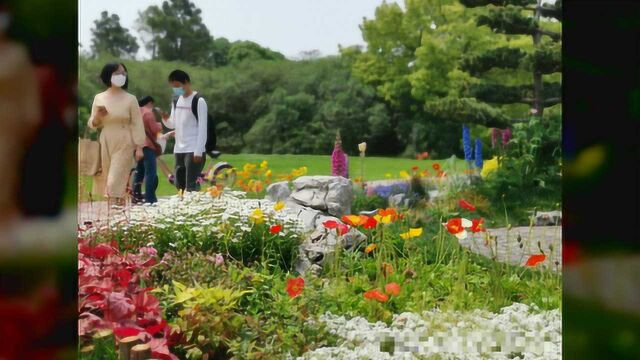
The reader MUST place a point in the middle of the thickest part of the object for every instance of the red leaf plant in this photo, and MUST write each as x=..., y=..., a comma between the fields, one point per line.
x=110, y=296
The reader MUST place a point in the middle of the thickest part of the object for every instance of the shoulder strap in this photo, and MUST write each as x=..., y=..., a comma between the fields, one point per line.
x=194, y=105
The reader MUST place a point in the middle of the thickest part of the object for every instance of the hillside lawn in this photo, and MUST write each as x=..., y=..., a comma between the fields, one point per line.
x=375, y=168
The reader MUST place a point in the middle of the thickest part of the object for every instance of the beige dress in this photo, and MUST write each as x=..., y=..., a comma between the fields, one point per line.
x=122, y=131
x=19, y=117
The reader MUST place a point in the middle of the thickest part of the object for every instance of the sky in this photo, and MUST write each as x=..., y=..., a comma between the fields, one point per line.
x=286, y=26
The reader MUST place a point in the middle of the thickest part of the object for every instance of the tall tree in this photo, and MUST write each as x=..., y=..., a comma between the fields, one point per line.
x=176, y=32
x=519, y=18
x=110, y=38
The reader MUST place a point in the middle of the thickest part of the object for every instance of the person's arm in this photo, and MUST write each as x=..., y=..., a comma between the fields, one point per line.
x=154, y=126
x=94, y=119
x=202, y=128
x=137, y=126
x=170, y=121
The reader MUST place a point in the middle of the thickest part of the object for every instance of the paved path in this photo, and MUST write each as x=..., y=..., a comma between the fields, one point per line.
x=509, y=250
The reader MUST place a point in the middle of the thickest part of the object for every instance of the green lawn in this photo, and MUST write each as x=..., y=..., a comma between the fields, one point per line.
x=375, y=168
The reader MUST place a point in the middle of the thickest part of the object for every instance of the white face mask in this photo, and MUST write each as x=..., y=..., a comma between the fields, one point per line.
x=5, y=21
x=118, y=80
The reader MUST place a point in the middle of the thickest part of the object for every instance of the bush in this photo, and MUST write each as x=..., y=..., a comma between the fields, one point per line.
x=529, y=173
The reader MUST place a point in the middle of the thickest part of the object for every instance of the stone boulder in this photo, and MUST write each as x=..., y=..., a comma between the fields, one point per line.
x=278, y=191
x=320, y=246
x=331, y=194
x=548, y=218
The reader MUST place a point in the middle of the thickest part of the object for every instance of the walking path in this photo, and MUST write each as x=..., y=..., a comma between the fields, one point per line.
x=507, y=248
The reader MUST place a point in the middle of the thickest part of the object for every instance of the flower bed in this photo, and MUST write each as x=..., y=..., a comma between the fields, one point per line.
x=211, y=275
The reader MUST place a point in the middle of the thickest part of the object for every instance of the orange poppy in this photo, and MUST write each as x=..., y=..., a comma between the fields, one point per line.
x=436, y=167
x=370, y=248
x=477, y=225
x=535, y=259
x=392, y=289
x=295, y=286
x=376, y=295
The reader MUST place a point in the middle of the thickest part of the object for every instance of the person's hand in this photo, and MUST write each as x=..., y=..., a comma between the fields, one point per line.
x=139, y=154
x=102, y=112
x=197, y=159
x=171, y=134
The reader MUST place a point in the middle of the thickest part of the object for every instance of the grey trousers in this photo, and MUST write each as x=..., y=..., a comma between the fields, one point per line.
x=186, y=172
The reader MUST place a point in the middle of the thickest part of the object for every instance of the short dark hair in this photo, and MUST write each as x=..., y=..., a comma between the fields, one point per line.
x=108, y=70
x=145, y=100
x=179, y=76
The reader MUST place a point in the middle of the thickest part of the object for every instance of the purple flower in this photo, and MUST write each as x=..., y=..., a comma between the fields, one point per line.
x=219, y=259
x=339, y=160
x=494, y=137
x=478, y=154
x=506, y=136
x=466, y=143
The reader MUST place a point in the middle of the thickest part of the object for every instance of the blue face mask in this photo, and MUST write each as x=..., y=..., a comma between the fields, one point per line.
x=178, y=91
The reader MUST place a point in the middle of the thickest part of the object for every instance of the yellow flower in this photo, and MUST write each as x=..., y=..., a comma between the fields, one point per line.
x=404, y=174
x=268, y=173
x=387, y=175
x=370, y=248
x=264, y=164
x=413, y=232
x=362, y=147
x=248, y=167
x=214, y=192
x=383, y=219
x=257, y=216
x=489, y=166
x=278, y=206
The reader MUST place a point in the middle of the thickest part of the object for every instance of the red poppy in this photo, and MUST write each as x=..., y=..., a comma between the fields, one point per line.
x=342, y=229
x=274, y=229
x=376, y=295
x=392, y=289
x=436, y=167
x=414, y=168
x=295, y=286
x=454, y=225
x=330, y=224
x=466, y=205
x=535, y=259
x=477, y=225
x=370, y=223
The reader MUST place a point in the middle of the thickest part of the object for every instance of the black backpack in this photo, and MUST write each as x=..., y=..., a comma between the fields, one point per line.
x=211, y=126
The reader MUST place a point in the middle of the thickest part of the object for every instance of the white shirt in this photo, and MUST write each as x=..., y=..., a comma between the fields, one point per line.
x=191, y=134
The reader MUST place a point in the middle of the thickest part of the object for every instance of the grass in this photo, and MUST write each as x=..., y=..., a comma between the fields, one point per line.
x=375, y=168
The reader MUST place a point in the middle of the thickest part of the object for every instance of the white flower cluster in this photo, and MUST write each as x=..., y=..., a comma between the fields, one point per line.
x=200, y=213
x=516, y=332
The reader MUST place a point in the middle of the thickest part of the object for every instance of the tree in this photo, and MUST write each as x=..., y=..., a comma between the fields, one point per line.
x=518, y=18
x=110, y=38
x=176, y=33
x=247, y=50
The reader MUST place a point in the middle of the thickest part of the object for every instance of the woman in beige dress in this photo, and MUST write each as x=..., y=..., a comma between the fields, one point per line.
x=117, y=113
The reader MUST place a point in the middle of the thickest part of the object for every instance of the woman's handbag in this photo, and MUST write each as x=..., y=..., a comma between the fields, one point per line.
x=89, y=163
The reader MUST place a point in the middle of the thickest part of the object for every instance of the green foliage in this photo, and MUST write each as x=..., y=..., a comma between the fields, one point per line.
x=177, y=32
x=364, y=202
x=508, y=20
x=247, y=50
x=206, y=316
x=545, y=59
x=110, y=38
x=271, y=324
x=504, y=57
x=476, y=3
x=466, y=110
x=532, y=162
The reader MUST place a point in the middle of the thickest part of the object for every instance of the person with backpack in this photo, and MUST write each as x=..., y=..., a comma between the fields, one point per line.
x=190, y=120
x=146, y=168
